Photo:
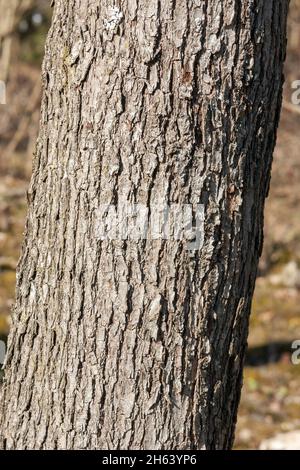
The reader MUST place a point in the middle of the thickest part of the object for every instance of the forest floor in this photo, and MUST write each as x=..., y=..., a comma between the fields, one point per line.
x=270, y=399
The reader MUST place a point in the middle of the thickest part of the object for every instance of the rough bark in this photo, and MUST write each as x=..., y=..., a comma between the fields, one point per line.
x=138, y=344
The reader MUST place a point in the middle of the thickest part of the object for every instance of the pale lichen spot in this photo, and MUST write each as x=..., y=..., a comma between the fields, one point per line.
x=198, y=22
x=32, y=294
x=113, y=19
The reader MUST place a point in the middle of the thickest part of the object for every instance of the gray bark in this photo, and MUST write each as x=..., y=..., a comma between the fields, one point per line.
x=123, y=344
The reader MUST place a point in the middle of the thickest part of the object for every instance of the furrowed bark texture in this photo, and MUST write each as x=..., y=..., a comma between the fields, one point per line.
x=10, y=12
x=124, y=344
x=7, y=23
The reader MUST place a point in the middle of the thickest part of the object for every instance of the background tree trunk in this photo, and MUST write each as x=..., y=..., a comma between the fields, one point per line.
x=10, y=12
x=139, y=344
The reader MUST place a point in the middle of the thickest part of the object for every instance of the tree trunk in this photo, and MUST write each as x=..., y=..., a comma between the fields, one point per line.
x=140, y=344
x=10, y=12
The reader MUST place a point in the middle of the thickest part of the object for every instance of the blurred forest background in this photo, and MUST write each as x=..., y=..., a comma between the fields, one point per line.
x=271, y=400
